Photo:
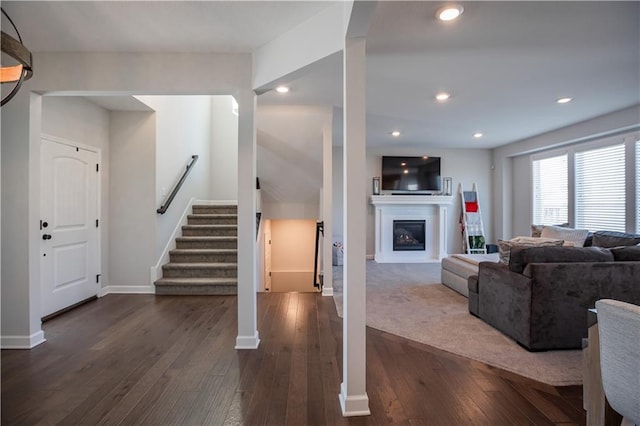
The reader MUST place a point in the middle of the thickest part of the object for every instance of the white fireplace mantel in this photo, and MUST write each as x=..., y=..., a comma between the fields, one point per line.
x=430, y=208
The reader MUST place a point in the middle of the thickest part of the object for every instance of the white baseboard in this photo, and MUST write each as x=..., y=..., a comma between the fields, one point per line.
x=327, y=291
x=22, y=342
x=353, y=405
x=248, y=342
x=127, y=289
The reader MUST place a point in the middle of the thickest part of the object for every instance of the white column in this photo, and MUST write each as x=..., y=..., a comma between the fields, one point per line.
x=247, y=306
x=327, y=209
x=353, y=396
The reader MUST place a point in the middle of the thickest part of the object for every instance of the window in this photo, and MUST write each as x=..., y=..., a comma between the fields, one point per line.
x=550, y=191
x=600, y=188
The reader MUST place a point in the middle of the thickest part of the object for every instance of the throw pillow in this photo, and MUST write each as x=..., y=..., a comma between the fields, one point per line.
x=576, y=236
x=506, y=245
x=614, y=239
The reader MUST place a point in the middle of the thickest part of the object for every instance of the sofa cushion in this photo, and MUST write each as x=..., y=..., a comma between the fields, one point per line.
x=626, y=253
x=506, y=245
x=614, y=239
x=522, y=256
x=576, y=236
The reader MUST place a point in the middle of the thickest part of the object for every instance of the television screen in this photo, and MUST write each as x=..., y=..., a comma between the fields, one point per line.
x=409, y=174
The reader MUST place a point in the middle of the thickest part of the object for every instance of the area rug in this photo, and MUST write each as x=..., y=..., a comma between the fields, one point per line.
x=408, y=300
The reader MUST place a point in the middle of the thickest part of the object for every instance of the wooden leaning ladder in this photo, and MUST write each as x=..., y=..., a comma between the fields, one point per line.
x=473, y=239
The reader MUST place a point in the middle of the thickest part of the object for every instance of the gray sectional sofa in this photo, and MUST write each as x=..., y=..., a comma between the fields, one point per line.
x=540, y=299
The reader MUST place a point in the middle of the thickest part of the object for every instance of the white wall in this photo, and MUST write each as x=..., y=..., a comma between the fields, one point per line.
x=463, y=165
x=78, y=120
x=292, y=254
x=290, y=160
x=224, y=149
x=183, y=129
x=338, y=192
x=20, y=275
x=132, y=245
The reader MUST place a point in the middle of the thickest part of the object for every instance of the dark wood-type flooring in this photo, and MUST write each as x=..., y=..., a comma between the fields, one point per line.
x=144, y=359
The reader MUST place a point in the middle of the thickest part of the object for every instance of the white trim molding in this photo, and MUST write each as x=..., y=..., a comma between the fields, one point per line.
x=353, y=405
x=127, y=289
x=327, y=291
x=248, y=342
x=22, y=342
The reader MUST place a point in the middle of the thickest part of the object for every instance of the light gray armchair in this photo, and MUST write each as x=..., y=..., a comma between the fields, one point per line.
x=619, y=327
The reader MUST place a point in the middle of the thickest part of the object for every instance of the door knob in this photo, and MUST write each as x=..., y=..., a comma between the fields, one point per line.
x=46, y=237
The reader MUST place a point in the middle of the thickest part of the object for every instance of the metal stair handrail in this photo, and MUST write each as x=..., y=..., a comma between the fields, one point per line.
x=167, y=202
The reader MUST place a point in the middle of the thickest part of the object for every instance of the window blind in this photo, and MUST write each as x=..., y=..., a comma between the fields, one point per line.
x=550, y=190
x=600, y=188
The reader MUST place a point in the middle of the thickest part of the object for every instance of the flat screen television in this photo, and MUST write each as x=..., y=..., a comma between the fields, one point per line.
x=411, y=175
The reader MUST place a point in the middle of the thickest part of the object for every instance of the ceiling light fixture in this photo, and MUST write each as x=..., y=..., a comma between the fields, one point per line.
x=443, y=96
x=477, y=135
x=395, y=133
x=564, y=100
x=449, y=12
x=282, y=89
x=19, y=72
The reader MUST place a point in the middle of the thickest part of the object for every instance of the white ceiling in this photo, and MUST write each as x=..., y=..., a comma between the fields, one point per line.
x=504, y=62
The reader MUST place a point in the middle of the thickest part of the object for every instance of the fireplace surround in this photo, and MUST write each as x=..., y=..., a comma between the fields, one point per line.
x=432, y=210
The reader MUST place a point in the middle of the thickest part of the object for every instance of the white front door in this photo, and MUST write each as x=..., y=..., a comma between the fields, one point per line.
x=68, y=227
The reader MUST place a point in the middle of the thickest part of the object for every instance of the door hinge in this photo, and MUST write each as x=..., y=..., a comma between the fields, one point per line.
x=98, y=279
x=269, y=273
x=97, y=222
x=97, y=167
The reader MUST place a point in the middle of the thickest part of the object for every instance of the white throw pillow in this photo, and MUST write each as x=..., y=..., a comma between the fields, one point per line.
x=505, y=246
x=576, y=236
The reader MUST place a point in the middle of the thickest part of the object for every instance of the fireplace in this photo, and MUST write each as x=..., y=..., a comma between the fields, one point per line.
x=408, y=235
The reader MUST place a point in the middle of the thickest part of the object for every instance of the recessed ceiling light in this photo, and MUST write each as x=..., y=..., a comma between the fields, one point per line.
x=443, y=96
x=564, y=100
x=449, y=12
x=395, y=133
x=406, y=172
x=477, y=135
x=282, y=89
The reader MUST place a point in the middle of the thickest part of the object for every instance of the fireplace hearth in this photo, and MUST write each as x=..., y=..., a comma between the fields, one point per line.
x=408, y=235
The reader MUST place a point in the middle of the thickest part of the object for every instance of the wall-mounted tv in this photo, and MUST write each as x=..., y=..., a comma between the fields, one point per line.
x=411, y=175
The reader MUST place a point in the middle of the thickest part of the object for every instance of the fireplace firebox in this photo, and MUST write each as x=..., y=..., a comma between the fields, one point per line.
x=408, y=235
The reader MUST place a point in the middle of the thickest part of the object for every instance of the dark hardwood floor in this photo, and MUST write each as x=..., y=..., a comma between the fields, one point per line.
x=142, y=359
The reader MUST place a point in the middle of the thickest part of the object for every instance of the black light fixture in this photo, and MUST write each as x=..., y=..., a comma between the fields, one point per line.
x=22, y=70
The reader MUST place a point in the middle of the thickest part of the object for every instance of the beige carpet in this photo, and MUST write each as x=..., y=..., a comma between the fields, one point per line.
x=409, y=301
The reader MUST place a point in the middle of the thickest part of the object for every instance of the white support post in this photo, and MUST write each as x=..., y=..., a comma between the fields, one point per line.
x=353, y=396
x=247, y=298
x=327, y=209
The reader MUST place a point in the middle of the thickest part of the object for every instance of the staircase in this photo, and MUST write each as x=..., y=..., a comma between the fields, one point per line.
x=205, y=261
